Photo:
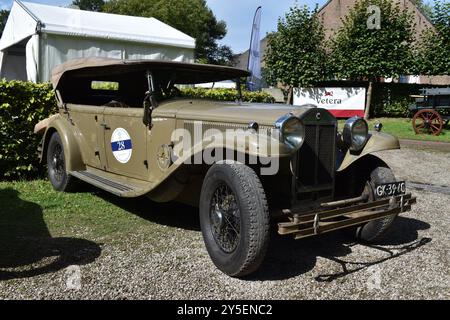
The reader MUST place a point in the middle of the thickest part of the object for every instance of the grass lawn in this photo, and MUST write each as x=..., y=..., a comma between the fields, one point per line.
x=29, y=204
x=36, y=221
x=402, y=128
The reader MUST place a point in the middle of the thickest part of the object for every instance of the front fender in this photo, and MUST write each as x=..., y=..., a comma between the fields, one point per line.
x=70, y=138
x=378, y=141
x=244, y=142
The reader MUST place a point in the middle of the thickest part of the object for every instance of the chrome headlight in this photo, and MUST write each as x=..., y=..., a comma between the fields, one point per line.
x=355, y=133
x=291, y=131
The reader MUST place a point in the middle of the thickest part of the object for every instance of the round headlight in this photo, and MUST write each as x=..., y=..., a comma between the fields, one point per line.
x=356, y=133
x=292, y=131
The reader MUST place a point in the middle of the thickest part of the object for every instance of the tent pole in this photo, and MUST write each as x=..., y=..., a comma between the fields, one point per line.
x=38, y=58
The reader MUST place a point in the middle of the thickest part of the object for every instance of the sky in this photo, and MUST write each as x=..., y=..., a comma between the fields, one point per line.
x=238, y=14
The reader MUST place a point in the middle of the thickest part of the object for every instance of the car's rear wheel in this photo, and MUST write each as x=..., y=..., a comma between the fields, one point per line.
x=56, y=164
x=234, y=218
x=375, y=230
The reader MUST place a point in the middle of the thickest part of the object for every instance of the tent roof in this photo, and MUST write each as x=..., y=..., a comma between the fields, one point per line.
x=27, y=18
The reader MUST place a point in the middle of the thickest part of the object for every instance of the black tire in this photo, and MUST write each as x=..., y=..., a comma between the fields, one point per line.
x=56, y=165
x=374, y=231
x=243, y=188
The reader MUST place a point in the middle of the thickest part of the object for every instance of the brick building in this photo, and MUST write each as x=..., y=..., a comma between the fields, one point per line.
x=334, y=10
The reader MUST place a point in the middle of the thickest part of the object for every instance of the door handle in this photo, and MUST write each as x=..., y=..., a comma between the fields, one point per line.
x=105, y=126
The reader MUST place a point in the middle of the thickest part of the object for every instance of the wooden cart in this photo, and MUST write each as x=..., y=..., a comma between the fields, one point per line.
x=428, y=111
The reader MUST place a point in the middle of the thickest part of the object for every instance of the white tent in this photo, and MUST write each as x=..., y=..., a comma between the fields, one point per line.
x=38, y=37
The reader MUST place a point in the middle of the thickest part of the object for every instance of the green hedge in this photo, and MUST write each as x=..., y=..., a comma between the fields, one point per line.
x=227, y=95
x=22, y=105
x=393, y=99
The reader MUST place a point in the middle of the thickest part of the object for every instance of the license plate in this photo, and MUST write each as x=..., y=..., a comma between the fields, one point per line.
x=390, y=189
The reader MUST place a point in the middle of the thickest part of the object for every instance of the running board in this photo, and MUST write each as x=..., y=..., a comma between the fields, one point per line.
x=109, y=182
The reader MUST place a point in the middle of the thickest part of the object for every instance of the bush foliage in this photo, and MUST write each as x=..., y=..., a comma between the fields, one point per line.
x=22, y=105
x=227, y=95
x=393, y=99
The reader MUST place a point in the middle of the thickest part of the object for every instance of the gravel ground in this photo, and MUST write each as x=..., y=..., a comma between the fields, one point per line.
x=412, y=263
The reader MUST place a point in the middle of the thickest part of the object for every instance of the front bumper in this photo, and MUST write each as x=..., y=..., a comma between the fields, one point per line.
x=342, y=214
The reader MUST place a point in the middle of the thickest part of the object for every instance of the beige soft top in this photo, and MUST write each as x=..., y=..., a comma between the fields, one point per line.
x=102, y=66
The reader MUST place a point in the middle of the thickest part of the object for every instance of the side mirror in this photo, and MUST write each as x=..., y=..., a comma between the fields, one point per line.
x=378, y=127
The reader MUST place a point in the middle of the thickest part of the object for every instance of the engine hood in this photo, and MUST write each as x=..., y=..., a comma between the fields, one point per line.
x=217, y=111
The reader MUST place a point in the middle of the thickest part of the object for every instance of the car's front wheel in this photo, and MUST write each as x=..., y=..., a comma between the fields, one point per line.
x=375, y=230
x=234, y=218
x=56, y=164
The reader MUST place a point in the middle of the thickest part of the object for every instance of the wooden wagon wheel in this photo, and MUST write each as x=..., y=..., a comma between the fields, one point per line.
x=428, y=121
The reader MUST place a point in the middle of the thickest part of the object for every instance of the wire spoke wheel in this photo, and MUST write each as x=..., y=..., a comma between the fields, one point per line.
x=60, y=179
x=57, y=162
x=234, y=218
x=225, y=218
x=428, y=121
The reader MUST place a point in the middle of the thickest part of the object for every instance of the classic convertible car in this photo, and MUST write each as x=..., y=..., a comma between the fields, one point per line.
x=125, y=127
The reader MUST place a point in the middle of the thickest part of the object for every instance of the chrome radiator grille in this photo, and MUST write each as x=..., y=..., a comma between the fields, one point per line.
x=316, y=158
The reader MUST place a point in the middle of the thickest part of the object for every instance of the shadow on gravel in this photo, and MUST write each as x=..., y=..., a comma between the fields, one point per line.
x=288, y=258
x=26, y=247
x=170, y=214
x=405, y=230
x=352, y=267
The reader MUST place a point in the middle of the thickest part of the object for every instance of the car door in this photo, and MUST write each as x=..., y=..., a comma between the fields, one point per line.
x=87, y=119
x=125, y=141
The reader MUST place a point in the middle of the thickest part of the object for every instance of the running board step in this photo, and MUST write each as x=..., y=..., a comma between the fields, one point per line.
x=108, y=182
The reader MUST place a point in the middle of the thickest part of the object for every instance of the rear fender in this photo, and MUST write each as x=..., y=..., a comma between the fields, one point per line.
x=71, y=139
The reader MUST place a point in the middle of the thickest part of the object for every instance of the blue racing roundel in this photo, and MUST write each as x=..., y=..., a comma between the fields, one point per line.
x=121, y=145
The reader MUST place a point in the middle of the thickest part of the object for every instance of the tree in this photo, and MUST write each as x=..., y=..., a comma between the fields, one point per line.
x=192, y=17
x=424, y=7
x=375, y=41
x=295, y=54
x=222, y=55
x=3, y=18
x=434, y=48
x=90, y=5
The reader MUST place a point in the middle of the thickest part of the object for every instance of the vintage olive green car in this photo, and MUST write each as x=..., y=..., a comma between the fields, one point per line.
x=125, y=127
